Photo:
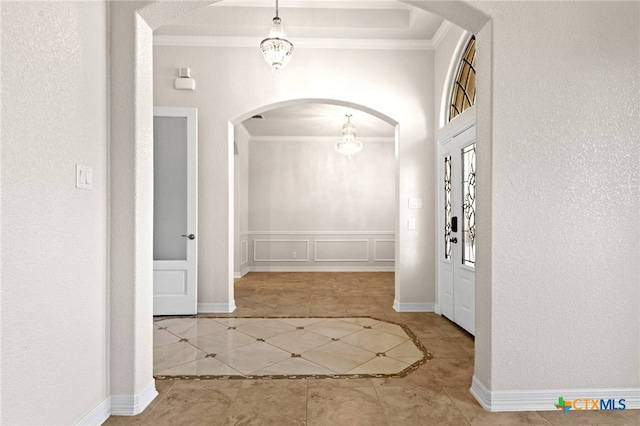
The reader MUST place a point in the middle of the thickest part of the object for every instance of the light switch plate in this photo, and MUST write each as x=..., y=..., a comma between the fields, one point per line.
x=415, y=203
x=411, y=223
x=84, y=177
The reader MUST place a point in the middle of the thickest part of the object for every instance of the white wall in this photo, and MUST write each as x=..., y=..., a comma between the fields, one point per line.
x=54, y=236
x=241, y=201
x=234, y=83
x=304, y=191
x=559, y=208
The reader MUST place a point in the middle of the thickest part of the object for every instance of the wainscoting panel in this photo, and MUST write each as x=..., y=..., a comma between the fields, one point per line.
x=321, y=251
x=280, y=250
x=341, y=250
x=384, y=250
x=244, y=252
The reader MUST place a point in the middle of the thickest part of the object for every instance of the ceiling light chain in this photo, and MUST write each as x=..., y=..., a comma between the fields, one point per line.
x=276, y=49
x=348, y=145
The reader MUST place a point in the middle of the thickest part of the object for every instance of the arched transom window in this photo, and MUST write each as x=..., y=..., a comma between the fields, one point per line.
x=463, y=94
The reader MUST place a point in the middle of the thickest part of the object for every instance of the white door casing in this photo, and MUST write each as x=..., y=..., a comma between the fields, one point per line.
x=456, y=241
x=175, y=247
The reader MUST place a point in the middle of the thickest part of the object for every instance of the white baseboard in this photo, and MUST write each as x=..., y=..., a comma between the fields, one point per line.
x=544, y=400
x=98, y=415
x=240, y=274
x=130, y=405
x=413, y=307
x=322, y=269
x=216, y=308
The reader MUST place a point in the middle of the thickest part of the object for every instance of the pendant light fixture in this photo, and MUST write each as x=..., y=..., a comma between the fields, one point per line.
x=348, y=145
x=276, y=49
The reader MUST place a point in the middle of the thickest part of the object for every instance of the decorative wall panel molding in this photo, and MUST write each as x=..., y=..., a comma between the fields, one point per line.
x=384, y=250
x=341, y=250
x=280, y=250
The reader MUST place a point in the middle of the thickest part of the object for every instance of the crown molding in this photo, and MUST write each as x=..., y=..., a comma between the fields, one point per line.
x=444, y=29
x=317, y=4
x=321, y=139
x=299, y=43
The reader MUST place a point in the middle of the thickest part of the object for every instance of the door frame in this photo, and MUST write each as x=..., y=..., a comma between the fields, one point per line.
x=191, y=114
x=442, y=141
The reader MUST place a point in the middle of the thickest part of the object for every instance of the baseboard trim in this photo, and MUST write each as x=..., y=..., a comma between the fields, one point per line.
x=322, y=269
x=130, y=405
x=544, y=400
x=240, y=274
x=98, y=415
x=216, y=308
x=413, y=307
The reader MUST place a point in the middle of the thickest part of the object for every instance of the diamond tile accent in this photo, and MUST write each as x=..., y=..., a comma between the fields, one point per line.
x=334, y=328
x=253, y=357
x=374, y=341
x=338, y=356
x=298, y=341
x=283, y=347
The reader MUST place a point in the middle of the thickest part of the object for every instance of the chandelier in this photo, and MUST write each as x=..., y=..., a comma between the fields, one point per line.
x=348, y=145
x=276, y=49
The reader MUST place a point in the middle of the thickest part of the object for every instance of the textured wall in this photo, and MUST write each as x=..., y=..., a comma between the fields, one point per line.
x=54, y=294
x=562, y=291
x=308, y=186
x=233, y=83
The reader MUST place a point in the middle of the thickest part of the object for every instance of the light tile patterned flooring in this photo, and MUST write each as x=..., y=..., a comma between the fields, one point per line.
x=437, y=393
x=243, y=347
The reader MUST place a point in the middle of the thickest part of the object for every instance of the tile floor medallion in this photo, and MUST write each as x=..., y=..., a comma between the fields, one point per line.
x=249, y=348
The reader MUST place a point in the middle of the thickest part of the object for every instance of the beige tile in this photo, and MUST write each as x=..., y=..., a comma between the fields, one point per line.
x=339, y=357
x=175, y=354
x=476, y=415
x=265, y=406
x=452, y=372
x=191, y=327
x=374, y=341
x=406, y=352
x=418, y=406
x=613, y=417
x=266, y=328
x=364, y=322
x=390, y=328
x=163, y=337
x=380, y=365
x=334, y=328
x=298, y=341
x=338, y=383
x=193, y=406
x=219, y=343
x=201, y=367
x=251, y=358
x=301, y=322
x=344, y=406
x=445, y=348
x=205, y=384
x=295, y=366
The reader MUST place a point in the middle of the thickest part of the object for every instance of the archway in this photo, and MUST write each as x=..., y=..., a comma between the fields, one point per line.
x=131, y=106
x=327, y=203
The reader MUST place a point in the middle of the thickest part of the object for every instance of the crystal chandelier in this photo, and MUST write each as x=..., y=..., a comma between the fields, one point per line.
x=276, y=49
x=348, y=145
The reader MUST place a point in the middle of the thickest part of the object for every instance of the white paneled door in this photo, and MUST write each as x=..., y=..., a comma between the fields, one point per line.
x=457, y=229
x=175, y=206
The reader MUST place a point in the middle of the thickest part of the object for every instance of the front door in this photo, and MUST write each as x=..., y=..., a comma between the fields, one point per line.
x=457, y=229
x=175, y=202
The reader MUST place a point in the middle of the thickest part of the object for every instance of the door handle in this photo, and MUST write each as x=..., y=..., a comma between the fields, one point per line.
x=454, y=240
x=190, y=236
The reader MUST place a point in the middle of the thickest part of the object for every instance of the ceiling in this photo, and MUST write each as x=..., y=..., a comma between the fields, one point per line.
x=310, y=23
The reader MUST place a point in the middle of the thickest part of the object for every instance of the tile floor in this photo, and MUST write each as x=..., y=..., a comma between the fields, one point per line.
x=437, y=393
x=278, y=347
